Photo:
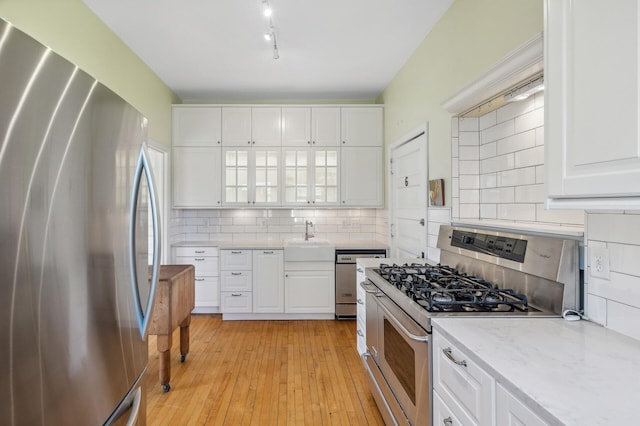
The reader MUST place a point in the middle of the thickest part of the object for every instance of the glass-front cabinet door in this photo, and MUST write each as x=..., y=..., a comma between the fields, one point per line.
x=325, y=183
x=251, y=177
x=311, y=177
x=266, y=182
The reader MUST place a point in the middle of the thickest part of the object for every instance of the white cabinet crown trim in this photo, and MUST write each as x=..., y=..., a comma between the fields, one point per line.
x=518, y=65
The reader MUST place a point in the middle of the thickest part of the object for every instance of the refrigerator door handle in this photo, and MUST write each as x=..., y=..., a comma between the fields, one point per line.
x=144, y=316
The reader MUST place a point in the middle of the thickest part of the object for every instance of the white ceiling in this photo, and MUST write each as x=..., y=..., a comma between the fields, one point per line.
x=214, y=50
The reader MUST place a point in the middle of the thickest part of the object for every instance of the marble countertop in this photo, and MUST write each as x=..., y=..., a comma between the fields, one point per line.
x=279, y=244
x=570, y=373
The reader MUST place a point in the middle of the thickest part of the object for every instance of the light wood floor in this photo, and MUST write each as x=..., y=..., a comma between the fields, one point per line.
x=263, y=373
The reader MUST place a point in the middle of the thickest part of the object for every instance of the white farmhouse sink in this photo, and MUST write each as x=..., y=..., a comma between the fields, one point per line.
x=314, y=250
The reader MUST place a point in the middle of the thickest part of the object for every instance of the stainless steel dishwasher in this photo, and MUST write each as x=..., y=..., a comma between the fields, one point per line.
x=346, y=284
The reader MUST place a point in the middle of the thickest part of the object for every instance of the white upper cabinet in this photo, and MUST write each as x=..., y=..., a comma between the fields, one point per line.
x=362, y=126
x=251, y=176
x=296, y=126
x=251, y=126
x=197, y=126
x=196, y=156
x=196, y=177
x=592, y=120
x=311, y=126
x=361, y=177
x=311, y=176
x=325, y=126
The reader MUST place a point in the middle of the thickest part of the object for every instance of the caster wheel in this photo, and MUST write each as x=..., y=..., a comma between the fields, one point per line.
x=166, y=388
x=183, y=357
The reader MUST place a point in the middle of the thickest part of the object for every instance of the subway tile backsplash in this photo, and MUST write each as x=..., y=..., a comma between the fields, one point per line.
x=509, y=168
x=277, y=224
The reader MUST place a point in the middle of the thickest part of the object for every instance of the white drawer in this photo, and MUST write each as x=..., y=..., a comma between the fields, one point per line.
x=197, y=251
x=511, y=411
x=207, y=292
x=236, y=259
x=236, y=280
x=236, y=301
x=460, y=381
x=205, y=266
x=443, y=415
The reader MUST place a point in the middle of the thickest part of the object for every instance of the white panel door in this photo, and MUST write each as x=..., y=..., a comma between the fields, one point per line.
x=196, y=125
x=408, y=195
x=592, y=98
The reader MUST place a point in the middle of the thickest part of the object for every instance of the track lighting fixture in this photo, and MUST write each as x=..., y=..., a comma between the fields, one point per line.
x=270, y=35
x=266, y=8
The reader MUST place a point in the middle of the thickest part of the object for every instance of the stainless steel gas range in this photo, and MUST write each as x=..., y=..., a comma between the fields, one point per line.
x=481, y=274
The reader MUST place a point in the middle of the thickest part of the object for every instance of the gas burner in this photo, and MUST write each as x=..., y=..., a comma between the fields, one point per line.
x=441, y=288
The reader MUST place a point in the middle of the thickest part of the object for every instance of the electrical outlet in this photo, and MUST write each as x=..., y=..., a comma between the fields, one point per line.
x=599, y=262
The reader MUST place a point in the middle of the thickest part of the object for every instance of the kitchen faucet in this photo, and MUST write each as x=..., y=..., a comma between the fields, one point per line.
x=307, y=234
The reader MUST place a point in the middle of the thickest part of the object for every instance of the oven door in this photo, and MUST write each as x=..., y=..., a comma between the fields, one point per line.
x=403, y=357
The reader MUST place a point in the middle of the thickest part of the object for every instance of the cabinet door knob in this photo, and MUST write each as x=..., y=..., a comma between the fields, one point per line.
x=253, y=142
x=344, y=142
x=249, y=142
x=218, y=142
x=447, y=421
x=309, y=142
x=314, y=142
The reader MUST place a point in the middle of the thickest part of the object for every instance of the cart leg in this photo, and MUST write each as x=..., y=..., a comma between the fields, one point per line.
x=184, y=338
x=164, y=358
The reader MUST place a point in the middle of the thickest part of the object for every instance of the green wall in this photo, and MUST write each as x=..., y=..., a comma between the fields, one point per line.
x=72, y=30
x=472, y=36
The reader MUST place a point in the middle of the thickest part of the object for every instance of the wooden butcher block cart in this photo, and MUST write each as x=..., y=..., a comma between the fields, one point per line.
x=175, y=297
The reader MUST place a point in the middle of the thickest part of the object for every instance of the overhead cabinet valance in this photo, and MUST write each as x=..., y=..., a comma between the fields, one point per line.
x=277, y=156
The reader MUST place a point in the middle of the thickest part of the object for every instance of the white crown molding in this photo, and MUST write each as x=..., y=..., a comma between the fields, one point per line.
x=520, y=64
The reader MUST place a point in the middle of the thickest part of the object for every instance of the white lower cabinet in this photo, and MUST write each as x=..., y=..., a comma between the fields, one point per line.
x=361, y=324
x=252, y=281
x=461, y=384
x=510, y=411
x=205, y=261
x=465, y=394
x=445, y=416
x=268, y=281
x=310, y=287
x=236, y=281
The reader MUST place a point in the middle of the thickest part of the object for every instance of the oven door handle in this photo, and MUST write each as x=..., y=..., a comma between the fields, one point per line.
x=410, y=335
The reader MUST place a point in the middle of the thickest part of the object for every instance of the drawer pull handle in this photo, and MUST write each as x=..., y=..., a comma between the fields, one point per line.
x=236, y=252
x=448, y=421
x=200, y=251
x=360, y=333
x=447, y=352
x=236, y=273
x=236, y=294
x=360, y=302
x=199, y=259
x=199, y=279
x=268, y=252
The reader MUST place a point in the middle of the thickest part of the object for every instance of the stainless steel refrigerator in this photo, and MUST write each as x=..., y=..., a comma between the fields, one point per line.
x=75, y=194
